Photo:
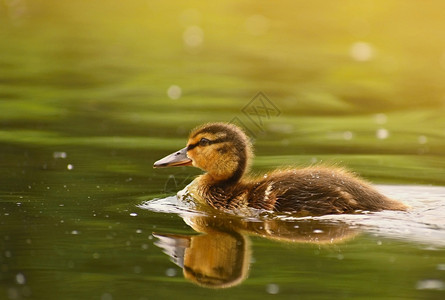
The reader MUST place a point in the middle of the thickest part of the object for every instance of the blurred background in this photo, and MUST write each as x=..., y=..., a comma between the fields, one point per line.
x=348, y=77
x=93, y=92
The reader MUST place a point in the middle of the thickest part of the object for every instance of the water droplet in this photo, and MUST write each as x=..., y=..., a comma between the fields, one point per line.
x=20, y=278
x=430, y=284
x=422, y=139
x=174, y=92
x=70, y=167
x=193, y=36
x=361, y=51
x=272, y=288
x=170, y=272
x=348, y=135
x=59, y=154
x=382, y=134
x=133, y=214
x=74, y=232
x=318, y=231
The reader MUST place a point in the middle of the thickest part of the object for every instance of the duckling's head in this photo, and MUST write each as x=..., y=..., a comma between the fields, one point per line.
x=221, y=149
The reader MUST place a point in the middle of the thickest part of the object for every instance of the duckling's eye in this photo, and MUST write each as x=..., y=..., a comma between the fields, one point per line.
x=204, y=142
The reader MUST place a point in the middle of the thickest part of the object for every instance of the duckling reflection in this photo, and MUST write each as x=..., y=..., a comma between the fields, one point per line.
x=220, y=257
x=217, y=259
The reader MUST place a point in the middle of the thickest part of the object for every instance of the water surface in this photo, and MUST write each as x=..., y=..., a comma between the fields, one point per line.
x=92, y=93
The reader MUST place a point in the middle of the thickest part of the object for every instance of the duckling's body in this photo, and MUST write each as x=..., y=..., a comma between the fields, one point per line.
x=309, y=191
x=224, y=151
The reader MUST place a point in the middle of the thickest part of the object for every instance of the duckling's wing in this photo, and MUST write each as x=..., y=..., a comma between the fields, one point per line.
x=320, y=191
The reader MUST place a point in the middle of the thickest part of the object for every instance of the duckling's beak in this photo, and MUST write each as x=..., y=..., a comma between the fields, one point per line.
x=179, y=158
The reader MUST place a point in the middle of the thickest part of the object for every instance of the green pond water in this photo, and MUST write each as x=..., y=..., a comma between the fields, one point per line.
x=92, y=93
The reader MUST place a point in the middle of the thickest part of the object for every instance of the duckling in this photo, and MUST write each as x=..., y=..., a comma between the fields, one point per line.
x=224, y=152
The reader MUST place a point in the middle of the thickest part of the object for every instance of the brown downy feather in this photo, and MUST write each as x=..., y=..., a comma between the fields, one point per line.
x=224, y=152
